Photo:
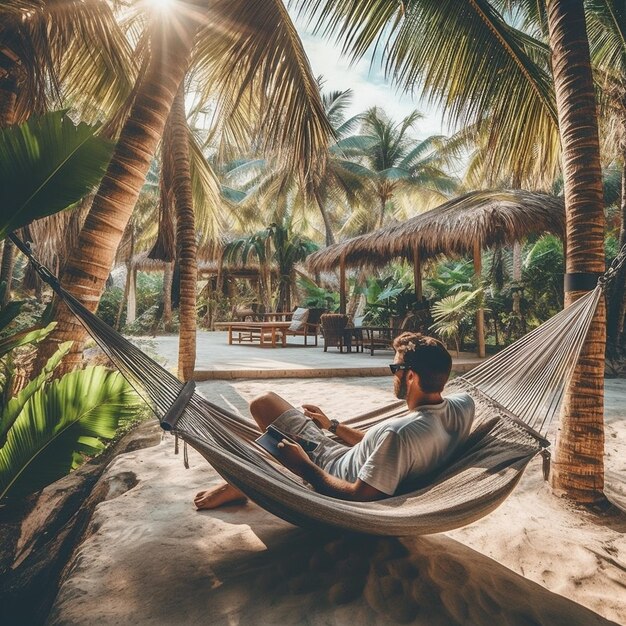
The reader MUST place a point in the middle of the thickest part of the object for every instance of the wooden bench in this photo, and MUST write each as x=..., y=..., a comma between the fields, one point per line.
x=263, y=333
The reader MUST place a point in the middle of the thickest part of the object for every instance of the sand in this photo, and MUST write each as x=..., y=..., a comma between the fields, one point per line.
x=150, y=558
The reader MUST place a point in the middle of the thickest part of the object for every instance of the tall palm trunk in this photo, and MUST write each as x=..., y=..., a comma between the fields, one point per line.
x=330, y=238
x=90, y=262
x=185, y=236
x=578, y=469
x=168, y=275
x=616, y=294
x=381, y=214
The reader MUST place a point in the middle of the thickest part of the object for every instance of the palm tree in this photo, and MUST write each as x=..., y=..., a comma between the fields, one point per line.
x=391, y=159
x=486, y=72
x=578, y=469
x=51, y=50
x=279, y=244
x=268, y=181
x=185, y=237
x=250, y=55
x=89, y=264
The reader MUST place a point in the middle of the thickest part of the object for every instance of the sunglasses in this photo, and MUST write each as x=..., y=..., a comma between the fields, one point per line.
x=398, y=367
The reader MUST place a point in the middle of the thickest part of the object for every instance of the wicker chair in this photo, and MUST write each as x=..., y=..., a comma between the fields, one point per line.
x=334, y=330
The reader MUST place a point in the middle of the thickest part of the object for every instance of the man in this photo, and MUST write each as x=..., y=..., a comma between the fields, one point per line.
x=374, y=464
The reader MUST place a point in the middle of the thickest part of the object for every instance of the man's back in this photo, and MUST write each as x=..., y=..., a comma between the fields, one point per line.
x=406, y=448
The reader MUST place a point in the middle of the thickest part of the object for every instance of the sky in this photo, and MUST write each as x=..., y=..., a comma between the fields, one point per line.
x=368, y=83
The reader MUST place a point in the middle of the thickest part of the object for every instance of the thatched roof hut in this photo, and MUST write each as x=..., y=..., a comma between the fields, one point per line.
x=483, y=218
x=463, y=226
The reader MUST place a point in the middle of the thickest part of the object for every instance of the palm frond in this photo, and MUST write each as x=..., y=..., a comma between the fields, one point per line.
x=469, y=61
x=46, y=165
x=252, y=50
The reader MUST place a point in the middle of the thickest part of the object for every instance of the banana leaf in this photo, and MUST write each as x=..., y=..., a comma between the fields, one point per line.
x=46, y=165
x=62, y=423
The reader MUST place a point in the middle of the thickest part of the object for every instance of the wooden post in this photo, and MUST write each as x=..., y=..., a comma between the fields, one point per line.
x=131, y=303
x=480, y=313
x=342, y=284
x=417, y=272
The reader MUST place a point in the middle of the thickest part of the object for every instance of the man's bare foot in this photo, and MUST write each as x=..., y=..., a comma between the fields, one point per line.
x=222, y=494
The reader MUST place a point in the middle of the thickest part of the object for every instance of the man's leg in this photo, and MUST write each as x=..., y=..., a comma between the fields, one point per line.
x=264, y=409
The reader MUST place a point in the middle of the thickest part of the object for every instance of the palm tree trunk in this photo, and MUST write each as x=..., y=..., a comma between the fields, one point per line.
x=90, y=262
x=381, y=215
x=330, y=238
x=6, y=269
x=168, y=275
x=185, y=236
x=616, y=293
x=578, y=469
x=124, y=300
x=517, y=276
x=131, y=303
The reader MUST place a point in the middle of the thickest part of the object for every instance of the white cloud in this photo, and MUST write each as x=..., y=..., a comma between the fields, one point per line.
x=368, y=83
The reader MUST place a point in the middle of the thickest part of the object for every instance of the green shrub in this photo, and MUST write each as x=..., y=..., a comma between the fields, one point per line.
x=109, y=306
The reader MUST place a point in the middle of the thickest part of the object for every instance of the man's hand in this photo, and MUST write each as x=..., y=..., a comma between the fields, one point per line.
x=293, y=457
x=317, y=415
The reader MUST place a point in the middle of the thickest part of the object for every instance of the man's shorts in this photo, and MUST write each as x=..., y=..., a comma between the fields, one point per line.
x=294, y=422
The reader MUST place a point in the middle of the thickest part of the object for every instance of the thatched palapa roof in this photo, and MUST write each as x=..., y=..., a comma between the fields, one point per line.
x=484, y=218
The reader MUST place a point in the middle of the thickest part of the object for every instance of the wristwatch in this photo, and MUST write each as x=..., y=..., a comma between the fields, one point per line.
x=333, y=426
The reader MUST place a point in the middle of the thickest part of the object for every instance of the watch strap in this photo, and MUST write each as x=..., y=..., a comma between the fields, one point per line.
x=333, y=426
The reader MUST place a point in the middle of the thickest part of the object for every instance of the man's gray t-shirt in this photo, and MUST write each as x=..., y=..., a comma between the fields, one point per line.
x=406, y=448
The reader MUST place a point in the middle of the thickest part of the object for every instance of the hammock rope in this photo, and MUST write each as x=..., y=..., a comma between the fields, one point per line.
x=517, y=394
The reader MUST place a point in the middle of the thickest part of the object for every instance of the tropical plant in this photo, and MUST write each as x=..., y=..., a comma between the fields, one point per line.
x=46, y=165
x=449, y=277
x=61, y=425
x=542, y=278
x=52, y=50
x=454, y=315
x=317, y=297
x=279, y=244
x=386, y=155
x=388, y=299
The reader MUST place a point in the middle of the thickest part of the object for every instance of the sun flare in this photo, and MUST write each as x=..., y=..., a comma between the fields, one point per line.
x=162, y=5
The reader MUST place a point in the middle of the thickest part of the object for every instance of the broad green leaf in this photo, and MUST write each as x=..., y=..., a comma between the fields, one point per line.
x=16, y=404
x=31, y=335
x=60, y=420
x=46, y=165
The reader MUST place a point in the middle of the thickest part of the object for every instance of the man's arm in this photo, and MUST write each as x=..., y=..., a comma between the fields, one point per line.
x=351, y=436
x=295, y=458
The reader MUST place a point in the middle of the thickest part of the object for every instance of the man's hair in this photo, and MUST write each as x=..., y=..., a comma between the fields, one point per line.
x=427, y=357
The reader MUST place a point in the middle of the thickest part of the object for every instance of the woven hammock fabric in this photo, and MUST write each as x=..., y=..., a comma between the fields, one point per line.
x=517, y=394
x=484, y=472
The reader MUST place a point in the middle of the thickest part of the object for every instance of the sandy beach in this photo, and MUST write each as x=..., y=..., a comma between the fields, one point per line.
x=150, y=558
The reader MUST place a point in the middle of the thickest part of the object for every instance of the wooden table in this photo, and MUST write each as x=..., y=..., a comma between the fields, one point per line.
x=266, y=333
x=378, y=336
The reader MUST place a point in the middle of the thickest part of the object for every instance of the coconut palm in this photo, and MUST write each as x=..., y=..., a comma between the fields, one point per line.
x=249, y=53
x=477, y=68
x=334, y=188
x=579, y=466
x=185, y=237
x=387, y=156
x=485, y=70
x=280, y=245
x=61, y=49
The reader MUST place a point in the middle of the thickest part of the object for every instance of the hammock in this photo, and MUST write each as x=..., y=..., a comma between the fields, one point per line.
x=517, y=394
